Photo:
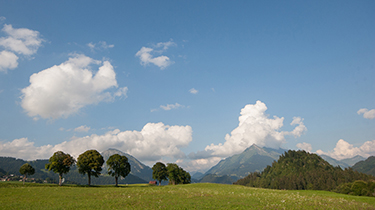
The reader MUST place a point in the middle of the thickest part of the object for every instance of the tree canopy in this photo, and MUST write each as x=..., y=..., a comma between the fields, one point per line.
x=60, y=163
x=118, y=166
x=90, y=163
x=159, y=172
x=26, y=169
x=177, y=175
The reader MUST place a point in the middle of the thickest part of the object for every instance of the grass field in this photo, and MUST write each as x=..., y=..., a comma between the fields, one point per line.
x=192, y=196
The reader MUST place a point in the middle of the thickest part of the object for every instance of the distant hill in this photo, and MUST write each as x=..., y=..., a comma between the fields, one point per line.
x=252, y=159
x=303, y=171
x=353, y=160
x=334, y=162
x=197, y=175
x=344, y=163
x=366, y=166
x=213, y=178
x=137, y=168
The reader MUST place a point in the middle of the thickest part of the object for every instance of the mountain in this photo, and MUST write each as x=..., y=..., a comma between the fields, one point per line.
x=197, y=175
x=137, y=168
x=334, y=162
x=252, y=159
x=366, y=166
x=344, y=163
x=353, y=160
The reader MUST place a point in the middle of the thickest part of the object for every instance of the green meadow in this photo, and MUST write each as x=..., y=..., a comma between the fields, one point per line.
x=191, y=196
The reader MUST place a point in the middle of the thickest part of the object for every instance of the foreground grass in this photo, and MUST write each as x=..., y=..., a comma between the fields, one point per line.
x=193, y=196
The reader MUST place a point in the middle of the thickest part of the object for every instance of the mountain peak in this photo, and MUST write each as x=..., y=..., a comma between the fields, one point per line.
x=254, y=158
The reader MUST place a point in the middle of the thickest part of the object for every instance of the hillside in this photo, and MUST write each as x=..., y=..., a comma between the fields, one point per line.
x=366, y=166
x=252, y=159
x=187, y=196
x=303, y=171
x=137, y=168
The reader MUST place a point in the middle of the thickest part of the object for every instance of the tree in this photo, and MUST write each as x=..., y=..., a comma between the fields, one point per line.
x=159, y=172
x=26, y=169
x=177, y=175
x=118, y=166
x=60, y=163
x=90, y=163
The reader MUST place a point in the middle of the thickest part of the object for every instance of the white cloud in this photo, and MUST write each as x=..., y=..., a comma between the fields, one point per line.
x=165, y=45
x=24, y=149
x=201, y=165
x=368, y=114
x=171, y=106
x=304, y=146
x=22, y=40
x=153, y=142
x=82, y=128
x=193, y=91
x=101, y=45
x=255, y=128
x=147, y=55
x=64, y=89
x=345, y=150
x=8, y=60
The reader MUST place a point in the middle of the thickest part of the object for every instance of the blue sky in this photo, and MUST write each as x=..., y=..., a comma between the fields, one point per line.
x=166, y=81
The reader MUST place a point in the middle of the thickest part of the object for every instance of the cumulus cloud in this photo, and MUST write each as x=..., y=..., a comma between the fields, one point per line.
x=22, y=40
x=64, y=89
x=368, y=114
x=24, y=149
x=149, y=55
x=153, y=142
x=201, y=165
x=8, y=60
x=304, y=146
x=255, y=127
x=101, y=45
x=345, y=150
x=82, y=128
x=193, y=91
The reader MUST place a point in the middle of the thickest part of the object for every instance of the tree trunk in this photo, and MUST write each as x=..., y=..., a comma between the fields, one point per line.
x=60, y=179
x=24, y=179
x=159, y=182
x=89, y=178
x=116, y=178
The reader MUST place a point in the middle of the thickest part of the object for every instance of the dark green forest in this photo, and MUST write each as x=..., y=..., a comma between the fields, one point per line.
x=300, y=170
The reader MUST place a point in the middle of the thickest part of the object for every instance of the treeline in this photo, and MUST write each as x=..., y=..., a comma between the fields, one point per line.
x=171, y=172
x=88, y=164
x=300, y=170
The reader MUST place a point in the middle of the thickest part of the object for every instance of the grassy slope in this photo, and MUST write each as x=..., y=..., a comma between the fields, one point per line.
x=193, y=196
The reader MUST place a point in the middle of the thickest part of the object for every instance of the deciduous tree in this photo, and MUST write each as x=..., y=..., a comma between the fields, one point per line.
x=60, y=163
x=26, y=169
x=118, y=166
x=159, y=172
x=90, y=163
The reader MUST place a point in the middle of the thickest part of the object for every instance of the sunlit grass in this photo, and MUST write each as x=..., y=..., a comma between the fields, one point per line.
x=193, y=196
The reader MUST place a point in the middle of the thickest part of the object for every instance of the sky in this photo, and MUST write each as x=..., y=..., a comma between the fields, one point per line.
x=189, y=82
